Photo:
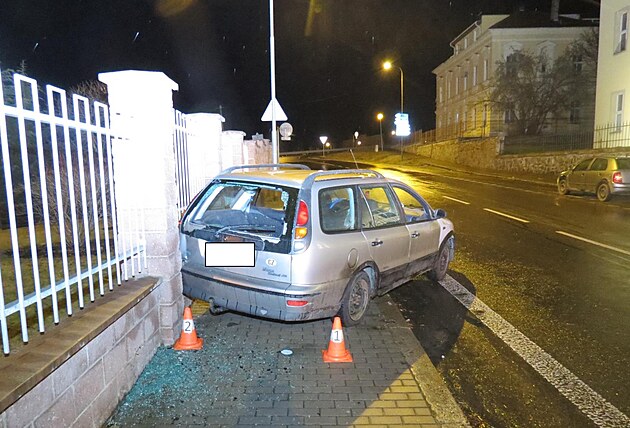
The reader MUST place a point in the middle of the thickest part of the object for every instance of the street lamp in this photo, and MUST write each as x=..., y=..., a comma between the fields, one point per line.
x=380, y=127
x=323, y=139
x=387, y=65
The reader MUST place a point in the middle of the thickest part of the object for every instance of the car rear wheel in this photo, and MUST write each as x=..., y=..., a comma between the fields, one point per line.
x=355, y=299
x=603, y=192
x=441, y=264
x=563, y=189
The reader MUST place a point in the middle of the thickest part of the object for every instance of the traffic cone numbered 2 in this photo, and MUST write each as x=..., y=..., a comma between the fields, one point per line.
x=188, y=340
x=336, y=352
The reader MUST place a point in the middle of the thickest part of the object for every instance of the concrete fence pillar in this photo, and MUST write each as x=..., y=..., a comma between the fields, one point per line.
x=142, y=124
x=205, y=129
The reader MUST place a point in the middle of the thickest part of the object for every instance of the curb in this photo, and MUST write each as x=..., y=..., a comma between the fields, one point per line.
x=445, y=409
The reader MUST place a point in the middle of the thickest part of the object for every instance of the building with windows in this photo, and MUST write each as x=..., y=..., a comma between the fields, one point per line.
x=613, y=80
x=463, y=80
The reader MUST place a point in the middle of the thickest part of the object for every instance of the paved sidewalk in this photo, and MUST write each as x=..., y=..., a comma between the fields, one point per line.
x=240, y=378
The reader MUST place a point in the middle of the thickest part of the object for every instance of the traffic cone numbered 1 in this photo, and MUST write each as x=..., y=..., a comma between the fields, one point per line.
x=336, y=352
x=188, y=341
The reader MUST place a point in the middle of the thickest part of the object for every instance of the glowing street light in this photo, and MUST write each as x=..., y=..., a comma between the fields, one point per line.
x=387, y=65
x=380, y=127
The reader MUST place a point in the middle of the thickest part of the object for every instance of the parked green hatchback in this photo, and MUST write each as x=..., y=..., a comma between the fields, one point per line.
x=603, y=176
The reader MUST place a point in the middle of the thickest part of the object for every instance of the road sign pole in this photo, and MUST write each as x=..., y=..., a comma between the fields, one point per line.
x=272, y=61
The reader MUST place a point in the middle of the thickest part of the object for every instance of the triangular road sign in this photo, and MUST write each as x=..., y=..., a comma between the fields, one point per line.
x=279, y=113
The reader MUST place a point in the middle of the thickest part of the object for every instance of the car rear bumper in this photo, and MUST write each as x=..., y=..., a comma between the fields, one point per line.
x=324, y=300
x=619, y=189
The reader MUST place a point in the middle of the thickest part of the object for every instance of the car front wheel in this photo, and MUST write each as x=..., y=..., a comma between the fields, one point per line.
x=355, y=299
x=563, y=189
x=440, y=265
x=603, y=192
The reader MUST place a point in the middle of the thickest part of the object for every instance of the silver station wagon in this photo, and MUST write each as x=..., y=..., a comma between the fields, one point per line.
x=290, y=243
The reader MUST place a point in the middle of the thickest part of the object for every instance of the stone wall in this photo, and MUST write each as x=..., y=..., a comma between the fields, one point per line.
x=483, y=153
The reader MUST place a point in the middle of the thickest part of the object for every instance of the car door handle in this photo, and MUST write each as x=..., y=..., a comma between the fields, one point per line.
x=415, y=234
x=377, y=242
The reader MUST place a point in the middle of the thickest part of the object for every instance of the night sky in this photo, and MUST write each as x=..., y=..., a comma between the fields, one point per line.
x=328, y=68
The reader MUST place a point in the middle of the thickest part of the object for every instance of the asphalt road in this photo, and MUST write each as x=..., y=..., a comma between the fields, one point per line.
x=554, y=270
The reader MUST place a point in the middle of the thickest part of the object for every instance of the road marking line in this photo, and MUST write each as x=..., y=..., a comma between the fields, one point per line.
x=456, y=200
x=593, y=242
x=593, y=405
x=506, y=215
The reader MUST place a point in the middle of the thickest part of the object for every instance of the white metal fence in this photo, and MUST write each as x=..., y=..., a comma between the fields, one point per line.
x=61, y=235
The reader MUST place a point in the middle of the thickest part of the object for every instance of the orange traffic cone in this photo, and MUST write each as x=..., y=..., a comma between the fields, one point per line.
x=336, y=352
x=188, y=341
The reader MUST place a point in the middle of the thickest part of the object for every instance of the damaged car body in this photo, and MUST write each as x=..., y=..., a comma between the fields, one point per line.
x=324, y=242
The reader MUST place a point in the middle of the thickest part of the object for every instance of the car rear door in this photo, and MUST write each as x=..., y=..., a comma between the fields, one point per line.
x=595, y=173
x=385, y=232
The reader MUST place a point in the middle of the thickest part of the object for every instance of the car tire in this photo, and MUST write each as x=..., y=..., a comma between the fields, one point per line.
x=603, y=192
x=355, y=299
x=563, y=189
x=440, y=266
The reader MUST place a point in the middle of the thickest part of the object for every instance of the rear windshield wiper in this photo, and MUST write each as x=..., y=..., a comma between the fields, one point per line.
x=246, y=228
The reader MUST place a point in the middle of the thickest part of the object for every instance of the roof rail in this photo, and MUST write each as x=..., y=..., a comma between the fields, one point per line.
x=345, y=172
x=265, y=165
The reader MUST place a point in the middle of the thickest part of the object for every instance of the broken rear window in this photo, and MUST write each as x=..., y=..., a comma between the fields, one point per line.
x=230, y=211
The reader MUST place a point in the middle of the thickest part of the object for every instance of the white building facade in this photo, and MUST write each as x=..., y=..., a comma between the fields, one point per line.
x=613, y=79
x=463, y=80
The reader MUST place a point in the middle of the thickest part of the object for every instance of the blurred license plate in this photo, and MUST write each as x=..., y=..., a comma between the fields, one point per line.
x=230, y=254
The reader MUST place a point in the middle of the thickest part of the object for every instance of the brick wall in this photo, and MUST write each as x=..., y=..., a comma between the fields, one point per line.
x=97, y=368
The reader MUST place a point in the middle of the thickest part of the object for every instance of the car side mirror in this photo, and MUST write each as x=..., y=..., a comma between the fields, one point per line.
x=440, y=213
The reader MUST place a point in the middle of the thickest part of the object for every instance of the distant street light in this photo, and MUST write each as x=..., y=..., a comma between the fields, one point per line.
x=323, y=139
x=380, y=127
x=358, y=143
x=387, y=65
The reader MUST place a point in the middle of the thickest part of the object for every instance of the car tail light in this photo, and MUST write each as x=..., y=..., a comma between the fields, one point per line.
x=302, y=220
x=297, y=302
x=616, y=178
x=302, y=216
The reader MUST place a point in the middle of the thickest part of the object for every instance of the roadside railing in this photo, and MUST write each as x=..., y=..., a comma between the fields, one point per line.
x=64, y=241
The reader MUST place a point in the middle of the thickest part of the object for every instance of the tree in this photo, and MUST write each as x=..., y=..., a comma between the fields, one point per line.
x=530, y=89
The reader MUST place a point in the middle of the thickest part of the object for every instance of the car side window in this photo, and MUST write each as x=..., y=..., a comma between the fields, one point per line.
x=582, y=166
x=378, y=207
x=337, y=211
x=599, y=165
x=415, y=208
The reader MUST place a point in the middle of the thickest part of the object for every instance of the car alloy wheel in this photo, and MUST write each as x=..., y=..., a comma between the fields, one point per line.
x=603, y=192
